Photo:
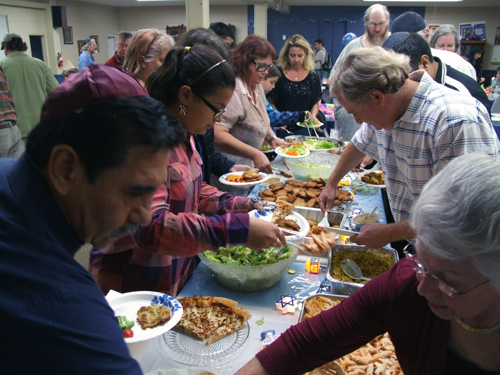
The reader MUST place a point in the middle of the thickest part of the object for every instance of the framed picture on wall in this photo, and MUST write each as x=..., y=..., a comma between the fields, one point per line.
x=96, y=38
x=466, y=31
x=80, y=46
x=68, y=35
x=176, y=31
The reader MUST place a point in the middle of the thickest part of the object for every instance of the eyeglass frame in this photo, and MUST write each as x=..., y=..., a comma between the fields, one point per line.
x=217, y=112
x=260, y=66
x=443, y=286
x=373, y=25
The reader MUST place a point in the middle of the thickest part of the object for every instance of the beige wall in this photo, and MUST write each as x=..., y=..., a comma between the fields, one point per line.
x=33, y=18
x=134, y=18
x=86, y=20
x=455, y=16
x=31, y=21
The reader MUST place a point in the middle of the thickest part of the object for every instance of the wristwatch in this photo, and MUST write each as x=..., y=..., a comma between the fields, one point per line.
x=270, y=140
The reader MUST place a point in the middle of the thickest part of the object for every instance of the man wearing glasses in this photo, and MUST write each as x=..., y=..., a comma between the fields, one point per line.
x=123, y=40
x=376, y=19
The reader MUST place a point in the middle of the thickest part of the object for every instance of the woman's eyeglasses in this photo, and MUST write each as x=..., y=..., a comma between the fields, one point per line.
x=443, y=286
x=262, y=67
x=217, y=112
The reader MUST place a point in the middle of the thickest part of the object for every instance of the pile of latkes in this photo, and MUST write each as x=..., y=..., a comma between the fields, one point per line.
x=303, y=193
x=374, y=178
x=251, y=175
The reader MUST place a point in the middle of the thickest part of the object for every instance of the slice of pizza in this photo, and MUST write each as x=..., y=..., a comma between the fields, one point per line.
x=281, y=210
x=233, y=323
x=152, y=316
x=222, y=308
x=195, y=313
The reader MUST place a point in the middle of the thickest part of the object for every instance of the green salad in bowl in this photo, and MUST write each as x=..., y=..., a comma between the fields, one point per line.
x=243, y=269
x=319, y=145
x=293, y=150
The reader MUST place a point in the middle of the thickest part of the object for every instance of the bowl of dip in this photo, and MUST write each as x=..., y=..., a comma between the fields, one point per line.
x=364, y=218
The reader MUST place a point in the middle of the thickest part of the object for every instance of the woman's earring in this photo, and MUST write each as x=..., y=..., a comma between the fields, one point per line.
x=182, y=110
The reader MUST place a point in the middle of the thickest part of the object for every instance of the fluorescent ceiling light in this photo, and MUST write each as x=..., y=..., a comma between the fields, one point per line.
x=414, y=1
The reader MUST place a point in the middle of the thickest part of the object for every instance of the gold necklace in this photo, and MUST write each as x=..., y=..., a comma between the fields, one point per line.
x=483, y=331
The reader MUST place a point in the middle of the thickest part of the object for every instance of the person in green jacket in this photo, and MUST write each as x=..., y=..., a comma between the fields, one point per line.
x=30, y=81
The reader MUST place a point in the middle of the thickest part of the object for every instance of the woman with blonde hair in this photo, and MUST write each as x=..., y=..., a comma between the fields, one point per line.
x=146, y=52
x=299, y=87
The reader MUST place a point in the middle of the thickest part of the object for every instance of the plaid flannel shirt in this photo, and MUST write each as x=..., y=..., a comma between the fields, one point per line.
x=187, y=214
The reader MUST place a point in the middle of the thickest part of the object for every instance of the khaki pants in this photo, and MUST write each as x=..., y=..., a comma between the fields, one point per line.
x=11, y=145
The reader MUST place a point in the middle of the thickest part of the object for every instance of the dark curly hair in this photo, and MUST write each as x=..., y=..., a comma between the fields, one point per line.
x=15, y=44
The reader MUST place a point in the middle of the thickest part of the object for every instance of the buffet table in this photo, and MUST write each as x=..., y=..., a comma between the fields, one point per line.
x=261, y=304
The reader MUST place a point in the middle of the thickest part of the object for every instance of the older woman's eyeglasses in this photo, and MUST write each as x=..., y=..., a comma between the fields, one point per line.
x=217, y=112
x=443, y=286
x=261, y=67
x=373, y=25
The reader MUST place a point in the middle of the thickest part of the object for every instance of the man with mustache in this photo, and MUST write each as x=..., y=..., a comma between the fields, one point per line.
x=88, y=175
x=376, y=19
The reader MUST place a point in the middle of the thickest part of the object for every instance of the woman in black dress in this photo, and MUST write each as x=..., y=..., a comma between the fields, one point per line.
x=298, y=88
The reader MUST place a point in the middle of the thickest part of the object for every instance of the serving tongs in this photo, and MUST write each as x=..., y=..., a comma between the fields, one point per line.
x=278, y=252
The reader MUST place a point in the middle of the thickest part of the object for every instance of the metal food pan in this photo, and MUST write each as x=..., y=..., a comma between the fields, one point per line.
x=318, y=216
x=337, y=248
x=333, y=297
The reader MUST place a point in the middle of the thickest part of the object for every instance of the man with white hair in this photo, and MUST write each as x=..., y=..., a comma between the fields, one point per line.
x=413, y=22
x=86, y=58
x=376, y=19
x=412, y=124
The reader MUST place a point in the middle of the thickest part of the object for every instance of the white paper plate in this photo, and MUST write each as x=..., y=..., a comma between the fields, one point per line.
x=358, y=175
x=129, y=303
x=267, y=215
x=281, y=152
x=314, y=126
x=222, y=179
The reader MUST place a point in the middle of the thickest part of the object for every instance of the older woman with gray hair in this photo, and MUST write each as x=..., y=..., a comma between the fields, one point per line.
x=446, y=38
x=146, y=52
x=441, y=307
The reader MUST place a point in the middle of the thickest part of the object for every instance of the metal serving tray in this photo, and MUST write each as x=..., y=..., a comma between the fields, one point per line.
x=337, y=248
x=319, y=217
x=333, y=297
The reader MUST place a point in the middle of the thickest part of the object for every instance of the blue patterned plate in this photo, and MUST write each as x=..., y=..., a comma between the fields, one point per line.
x=129, y=303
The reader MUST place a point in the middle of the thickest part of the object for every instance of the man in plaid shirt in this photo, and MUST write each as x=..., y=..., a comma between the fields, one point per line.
x=11, y=145
x=411, y=124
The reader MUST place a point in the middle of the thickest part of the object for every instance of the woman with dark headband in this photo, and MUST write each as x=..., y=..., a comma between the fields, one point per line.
x=242, y=130
x=213, y=161
x=189, y=216
x=146, y=52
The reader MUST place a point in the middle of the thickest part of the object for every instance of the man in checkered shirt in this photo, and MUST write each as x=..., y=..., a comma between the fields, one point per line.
x=411, y=124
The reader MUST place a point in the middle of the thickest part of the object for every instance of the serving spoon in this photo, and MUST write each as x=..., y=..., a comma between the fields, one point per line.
x=352, y=270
